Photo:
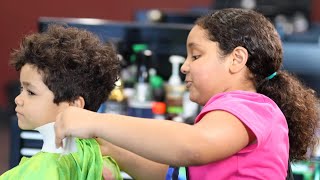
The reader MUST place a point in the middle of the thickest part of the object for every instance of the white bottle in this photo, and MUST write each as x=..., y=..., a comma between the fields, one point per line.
x=175, y=60
x=175, y=89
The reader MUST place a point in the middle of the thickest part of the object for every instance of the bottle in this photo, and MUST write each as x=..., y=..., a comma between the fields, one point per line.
x=141, y=103
x=117, y=101
x=175, y=90
x=157, y=87
x=142, y=79
x=190, y=109
x=159, y=110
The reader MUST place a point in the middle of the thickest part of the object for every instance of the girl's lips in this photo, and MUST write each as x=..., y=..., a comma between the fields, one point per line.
x=188, y=84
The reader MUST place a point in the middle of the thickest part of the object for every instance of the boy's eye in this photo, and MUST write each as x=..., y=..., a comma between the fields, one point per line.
x=30, y=93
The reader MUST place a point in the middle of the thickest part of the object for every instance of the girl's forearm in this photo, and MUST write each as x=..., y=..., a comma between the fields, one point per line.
x=136, y=166
x=162, y=141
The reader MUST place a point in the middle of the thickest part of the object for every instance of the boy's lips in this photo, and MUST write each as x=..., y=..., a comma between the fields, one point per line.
x=19, y=113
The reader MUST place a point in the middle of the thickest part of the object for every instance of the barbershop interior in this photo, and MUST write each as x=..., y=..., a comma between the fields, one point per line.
x=150, y=40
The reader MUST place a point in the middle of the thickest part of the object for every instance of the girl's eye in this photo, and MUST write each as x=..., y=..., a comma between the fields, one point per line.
x=195, y=57
x=30, y=93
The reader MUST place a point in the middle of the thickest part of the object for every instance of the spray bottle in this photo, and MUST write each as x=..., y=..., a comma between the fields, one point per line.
x=175, y=90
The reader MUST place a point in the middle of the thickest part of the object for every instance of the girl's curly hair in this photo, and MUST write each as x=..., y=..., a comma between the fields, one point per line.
x=251, y=30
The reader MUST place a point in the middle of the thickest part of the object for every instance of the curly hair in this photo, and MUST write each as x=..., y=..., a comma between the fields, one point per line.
x=238, y=27
x=72, y=62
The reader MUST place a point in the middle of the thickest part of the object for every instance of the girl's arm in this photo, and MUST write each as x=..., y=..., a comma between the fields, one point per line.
x=136, y=166
x=217, y=136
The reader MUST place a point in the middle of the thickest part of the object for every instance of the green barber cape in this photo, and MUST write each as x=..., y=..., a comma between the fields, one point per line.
x=85, y=164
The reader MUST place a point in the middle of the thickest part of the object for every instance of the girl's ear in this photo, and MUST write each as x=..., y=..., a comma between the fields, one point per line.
x=79, y=102
x=239, y=59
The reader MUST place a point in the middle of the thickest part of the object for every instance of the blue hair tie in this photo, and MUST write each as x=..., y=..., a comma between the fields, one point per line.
x=271, y=76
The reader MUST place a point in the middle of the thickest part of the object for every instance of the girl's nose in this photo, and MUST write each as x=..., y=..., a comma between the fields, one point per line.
x=185, y=67
x=18, y=100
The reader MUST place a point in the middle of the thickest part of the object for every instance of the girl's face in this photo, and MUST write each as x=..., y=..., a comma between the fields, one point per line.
x=207, y=72
x=34, y=104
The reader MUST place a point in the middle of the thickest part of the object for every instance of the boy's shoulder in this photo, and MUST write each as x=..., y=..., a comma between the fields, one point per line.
x=44, y=165
x=40, y=166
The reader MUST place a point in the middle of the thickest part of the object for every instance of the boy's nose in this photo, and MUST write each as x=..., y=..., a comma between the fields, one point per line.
x=18, y=101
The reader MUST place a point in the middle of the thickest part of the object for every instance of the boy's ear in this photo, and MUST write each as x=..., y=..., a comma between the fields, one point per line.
x=239, y=59
x=79, y=102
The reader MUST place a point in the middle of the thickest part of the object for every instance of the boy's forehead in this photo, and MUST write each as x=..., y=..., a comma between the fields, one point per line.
x=31, y=75
x=33, y=68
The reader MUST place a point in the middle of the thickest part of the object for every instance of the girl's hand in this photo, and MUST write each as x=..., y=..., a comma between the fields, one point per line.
x=76, y=122
x=106, y=148
x=107, y=174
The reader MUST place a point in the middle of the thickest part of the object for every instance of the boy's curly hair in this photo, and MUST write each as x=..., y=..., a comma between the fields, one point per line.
x=72, y=62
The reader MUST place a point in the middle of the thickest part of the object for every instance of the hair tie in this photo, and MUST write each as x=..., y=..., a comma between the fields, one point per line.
x=271, y=76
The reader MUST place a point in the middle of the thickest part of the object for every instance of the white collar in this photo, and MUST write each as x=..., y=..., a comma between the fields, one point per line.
x=48, y=135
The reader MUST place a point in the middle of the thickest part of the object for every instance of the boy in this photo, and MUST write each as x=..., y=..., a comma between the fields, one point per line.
x=62, y=67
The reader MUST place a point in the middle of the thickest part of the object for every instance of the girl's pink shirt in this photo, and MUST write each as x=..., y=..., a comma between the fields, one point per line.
x=265, y=159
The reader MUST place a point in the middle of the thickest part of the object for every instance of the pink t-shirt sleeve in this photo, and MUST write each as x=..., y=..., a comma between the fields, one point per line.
x=248, y=110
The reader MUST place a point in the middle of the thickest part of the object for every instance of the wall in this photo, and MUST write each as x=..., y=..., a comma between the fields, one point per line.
x=315, y=11
x=20, y=17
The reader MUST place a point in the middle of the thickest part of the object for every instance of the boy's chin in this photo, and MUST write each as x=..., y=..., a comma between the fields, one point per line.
x=24, y=127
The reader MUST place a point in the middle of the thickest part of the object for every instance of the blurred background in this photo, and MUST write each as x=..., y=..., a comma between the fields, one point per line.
x=146, y=33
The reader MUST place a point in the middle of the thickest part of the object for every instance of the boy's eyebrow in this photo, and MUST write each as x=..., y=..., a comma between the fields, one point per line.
x=28, y=84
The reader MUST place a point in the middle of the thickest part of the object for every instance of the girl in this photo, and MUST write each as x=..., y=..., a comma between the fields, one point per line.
x=255, y=118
